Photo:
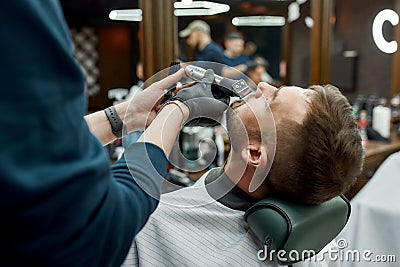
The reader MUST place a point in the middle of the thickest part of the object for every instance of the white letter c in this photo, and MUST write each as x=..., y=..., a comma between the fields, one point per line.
x=381, y=43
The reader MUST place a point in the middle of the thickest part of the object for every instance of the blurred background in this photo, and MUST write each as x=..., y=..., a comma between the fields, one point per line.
x=323, y=41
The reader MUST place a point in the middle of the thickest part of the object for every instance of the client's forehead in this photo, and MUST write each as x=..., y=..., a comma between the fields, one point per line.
x=292, y=87
x=291, y=102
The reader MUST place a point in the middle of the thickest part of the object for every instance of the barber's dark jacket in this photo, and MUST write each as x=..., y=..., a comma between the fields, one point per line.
x=61, y=204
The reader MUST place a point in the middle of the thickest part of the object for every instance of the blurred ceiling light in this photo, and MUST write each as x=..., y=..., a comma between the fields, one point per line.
x=309, y=22
x=350, y=53
x=300, y=2
x=187, y=2
x=377, y=33
x=199, y=8
x=126, y=14
x=293, y=12
x=259, y=21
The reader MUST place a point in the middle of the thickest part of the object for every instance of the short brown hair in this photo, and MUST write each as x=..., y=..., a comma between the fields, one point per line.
x=321, y=158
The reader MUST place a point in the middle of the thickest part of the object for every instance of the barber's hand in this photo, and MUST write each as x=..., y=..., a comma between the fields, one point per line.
x=205, y=103
x=143, y=107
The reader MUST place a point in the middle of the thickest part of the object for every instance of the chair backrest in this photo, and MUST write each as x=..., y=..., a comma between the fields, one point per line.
x=295, y=230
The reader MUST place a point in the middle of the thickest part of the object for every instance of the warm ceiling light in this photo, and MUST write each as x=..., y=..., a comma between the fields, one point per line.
x=199, y=8
x=126, y=14
x=259, y=21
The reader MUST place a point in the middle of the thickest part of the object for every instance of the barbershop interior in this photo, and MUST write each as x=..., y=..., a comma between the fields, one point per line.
x=123, y=46
x=351, y=44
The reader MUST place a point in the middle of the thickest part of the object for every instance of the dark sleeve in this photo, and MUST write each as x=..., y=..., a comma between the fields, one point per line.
x=61, y=204
x=140, y=170
x=217, y=55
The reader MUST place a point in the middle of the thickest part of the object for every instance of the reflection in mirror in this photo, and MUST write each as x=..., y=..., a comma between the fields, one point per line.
x=237, y=47
x=259, y=39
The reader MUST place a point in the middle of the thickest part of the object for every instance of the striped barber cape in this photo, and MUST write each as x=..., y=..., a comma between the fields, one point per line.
x=189, y=228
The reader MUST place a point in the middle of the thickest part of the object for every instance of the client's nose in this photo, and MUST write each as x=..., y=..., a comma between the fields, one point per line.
x=265, y=89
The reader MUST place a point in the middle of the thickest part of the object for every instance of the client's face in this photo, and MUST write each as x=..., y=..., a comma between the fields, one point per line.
x=287, y=102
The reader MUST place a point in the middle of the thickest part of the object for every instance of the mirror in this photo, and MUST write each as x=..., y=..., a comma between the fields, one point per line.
x=270, y=42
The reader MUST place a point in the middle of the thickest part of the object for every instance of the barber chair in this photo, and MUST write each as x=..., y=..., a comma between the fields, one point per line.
x=286, y=226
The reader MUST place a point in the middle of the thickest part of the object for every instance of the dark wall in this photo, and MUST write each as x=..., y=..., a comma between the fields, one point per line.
x=269, y=45
x=118, y=45
x=93, y=12
x=353, y=31
x=300, y=49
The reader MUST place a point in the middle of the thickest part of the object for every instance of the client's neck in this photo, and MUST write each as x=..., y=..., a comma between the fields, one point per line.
x=242, y=174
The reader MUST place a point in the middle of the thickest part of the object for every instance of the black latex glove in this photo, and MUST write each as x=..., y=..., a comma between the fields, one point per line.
x=205, y=102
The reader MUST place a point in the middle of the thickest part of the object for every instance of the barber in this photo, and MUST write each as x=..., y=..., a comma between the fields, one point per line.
x=61, y=203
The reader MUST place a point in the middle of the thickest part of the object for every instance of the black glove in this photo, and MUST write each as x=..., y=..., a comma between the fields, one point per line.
x=205, y=102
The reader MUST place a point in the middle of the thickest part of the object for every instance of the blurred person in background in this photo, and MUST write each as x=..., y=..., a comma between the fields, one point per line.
x=258, y=71
x=233, y=55
x=198, y=37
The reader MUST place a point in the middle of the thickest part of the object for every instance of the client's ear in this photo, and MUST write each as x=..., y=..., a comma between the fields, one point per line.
x=255, y=155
